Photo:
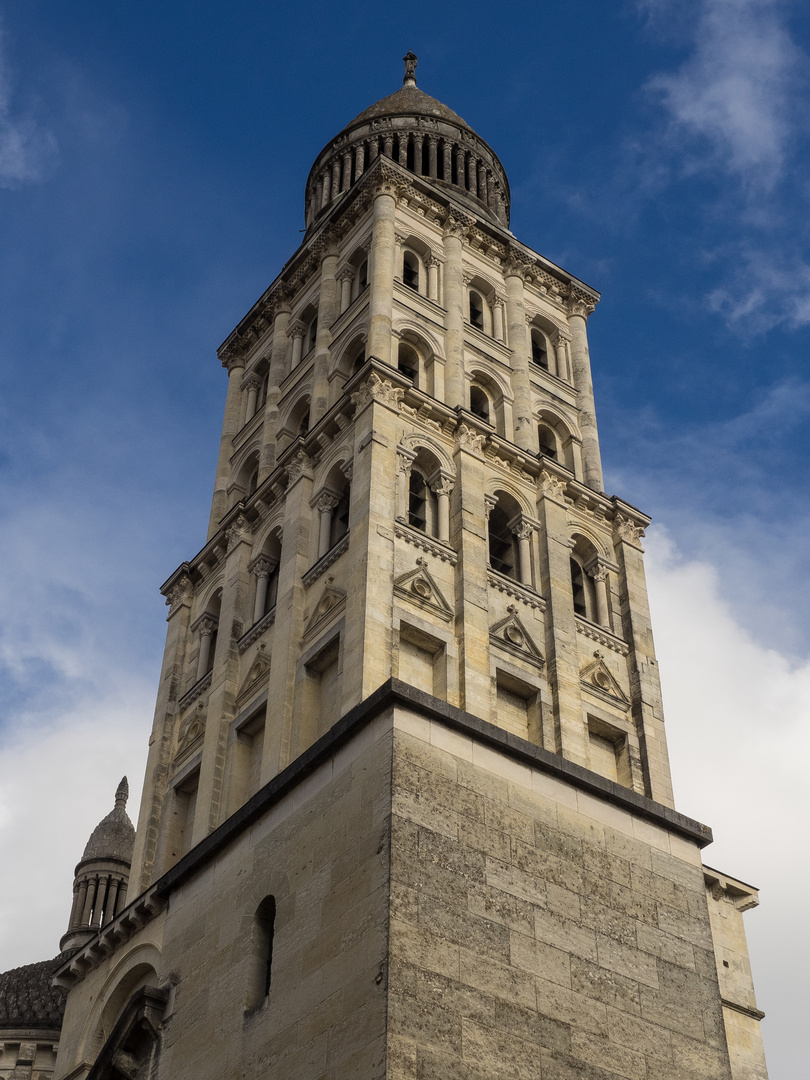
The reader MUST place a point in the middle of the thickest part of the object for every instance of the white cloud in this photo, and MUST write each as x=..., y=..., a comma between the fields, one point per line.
x=26, y=150
x=739, y=745
x=732, y=97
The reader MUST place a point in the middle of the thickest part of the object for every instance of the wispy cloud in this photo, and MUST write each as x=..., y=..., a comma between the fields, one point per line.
x=27, y=151
x=731, y=103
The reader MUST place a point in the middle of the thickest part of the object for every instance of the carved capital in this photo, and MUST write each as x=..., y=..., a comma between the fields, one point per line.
x=377, y=389
x=263, y=566
x=238, y=532
x=206, y=624
x=458, y=224
x=346, y=274
x=296, y=467
x=580, y=304
x=490, y=502
x=180, y=593
x=470, y=440
x=516, y=263
x=549, y=484
x=297, y=330
x=252, y=382
x=325, y=502
x=522, y=527
x=347, y=468
x=405, y=459
x=232, y=354
x=441, y=482
x=627, y=530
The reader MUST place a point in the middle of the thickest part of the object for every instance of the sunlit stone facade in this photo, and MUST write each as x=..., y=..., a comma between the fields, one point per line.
x=408, y=809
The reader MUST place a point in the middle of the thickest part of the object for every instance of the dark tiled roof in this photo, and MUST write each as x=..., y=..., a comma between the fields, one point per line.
x=27, y=999
x=410, y=101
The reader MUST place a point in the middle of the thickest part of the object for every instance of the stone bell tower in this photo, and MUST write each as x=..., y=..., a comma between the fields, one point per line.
x=408, y=808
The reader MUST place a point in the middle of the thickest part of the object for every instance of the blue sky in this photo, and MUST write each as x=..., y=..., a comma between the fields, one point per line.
x=152, y=168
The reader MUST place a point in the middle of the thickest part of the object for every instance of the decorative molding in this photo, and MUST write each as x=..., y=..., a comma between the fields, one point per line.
x=602, y=636
x=259, y=669
x=511, y=635
x=377, y=389
x=256, y=631
x=323, y=564
x=513, y=588
x=597, y=678
x=470, y=440
x=426, y=543
x=331, y=602
x=199, y=687
x=624, y=528
x=419, y=587
x=550, y=485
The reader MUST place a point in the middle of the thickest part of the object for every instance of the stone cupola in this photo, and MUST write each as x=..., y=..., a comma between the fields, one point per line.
x=102, y=875
x=422, y=135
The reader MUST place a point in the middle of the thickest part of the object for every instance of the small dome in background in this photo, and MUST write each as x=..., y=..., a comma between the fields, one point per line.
x=27, y=999
x=114, y=836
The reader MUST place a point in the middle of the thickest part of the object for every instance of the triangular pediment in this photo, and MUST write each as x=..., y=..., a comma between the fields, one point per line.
x=511, y=634
x=596, y=677
x=259, y=670
x=331, y=601
x=419, y=587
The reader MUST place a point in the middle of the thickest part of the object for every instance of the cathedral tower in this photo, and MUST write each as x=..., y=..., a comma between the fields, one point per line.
x=408, y=808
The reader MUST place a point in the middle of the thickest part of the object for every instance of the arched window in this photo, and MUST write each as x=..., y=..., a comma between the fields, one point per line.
x=362, y=277
x=410, y=270
x=582, y=584
x=480, y=404
x=408, y=362
x=261, y=968
x=547, y=442
x=476, y=311
x=502, y=545
x=539, y=348
x=312, y=334
x=422, y=504
x=340, y=516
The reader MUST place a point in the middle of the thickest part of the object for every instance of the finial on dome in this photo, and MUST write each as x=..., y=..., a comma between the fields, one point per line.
x=410, y=68
x=122, y=793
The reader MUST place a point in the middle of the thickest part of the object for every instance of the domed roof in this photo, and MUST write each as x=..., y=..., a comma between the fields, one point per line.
x=114, y=836
x=409, y=100
x=424, y=137
x=27, y=999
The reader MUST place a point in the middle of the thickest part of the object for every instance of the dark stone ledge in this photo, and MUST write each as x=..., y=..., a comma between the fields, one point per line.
x=394, y=693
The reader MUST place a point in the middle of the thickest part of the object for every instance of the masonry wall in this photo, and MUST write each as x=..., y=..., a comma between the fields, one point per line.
x=537, y=931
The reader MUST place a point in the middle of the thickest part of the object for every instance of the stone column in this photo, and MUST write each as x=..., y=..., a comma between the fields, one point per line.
x=482, y=182
x=433, y=279
x=399, y=240
x=497, y=318
x=278, y=372
x=388, y=145
x=516, y=327
x=433, y=156
x=335, y=178
x=325, y=505
x=326, y=198
x=405, y=459
x=347, y=171
x=381, y=300
x=490, y=189
x=297, y=334
x=373, y=150
x=262, y=568
x=566, y=733
x=418, y=146
x=345, y=277
x=578, y=312
x=359, y=156
x=455, y=229
x=403, y=149
x=559, y=341
x=112, y=897
x=206, y=625
x=458, y=153
x=447, y=166
x=92, y=889
x=523, y=531
x=599, y=575
x=252, y=385
x=441, y=484
x=234, y=361
x=327, y=313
